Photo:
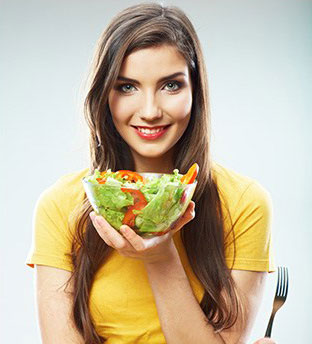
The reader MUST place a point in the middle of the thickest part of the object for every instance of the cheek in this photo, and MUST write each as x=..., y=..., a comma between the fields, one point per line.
x=179, y=105
x=120, y=107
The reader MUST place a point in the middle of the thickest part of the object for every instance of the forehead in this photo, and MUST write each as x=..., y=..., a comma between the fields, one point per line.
x=153, y=62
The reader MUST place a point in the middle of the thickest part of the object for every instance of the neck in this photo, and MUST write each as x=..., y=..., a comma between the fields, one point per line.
x=155, y=165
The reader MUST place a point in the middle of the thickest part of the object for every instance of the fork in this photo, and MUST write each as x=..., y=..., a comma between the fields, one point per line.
x=280, y=296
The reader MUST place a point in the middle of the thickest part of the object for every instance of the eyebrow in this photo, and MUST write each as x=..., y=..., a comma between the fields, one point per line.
x=122, y=78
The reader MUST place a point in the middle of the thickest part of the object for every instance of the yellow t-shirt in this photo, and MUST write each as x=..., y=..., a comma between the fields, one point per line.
x=121, y=300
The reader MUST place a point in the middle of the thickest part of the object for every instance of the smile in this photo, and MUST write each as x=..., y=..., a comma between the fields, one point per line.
x=150, y=131
x=151, y=134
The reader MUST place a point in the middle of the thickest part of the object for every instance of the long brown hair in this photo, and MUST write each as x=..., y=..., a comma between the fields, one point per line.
x=137, y=27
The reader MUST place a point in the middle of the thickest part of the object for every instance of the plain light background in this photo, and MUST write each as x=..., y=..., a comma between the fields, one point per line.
x=258, y=57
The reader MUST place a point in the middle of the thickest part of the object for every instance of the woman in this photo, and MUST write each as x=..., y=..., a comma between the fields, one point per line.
x=202, y=281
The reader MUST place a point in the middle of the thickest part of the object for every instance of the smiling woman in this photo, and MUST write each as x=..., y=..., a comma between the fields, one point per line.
x=147, y=110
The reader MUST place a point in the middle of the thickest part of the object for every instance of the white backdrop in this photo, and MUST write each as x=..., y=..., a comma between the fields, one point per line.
x=258, y=56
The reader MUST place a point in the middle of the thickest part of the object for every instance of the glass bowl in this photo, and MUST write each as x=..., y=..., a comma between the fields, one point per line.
x=152, y=214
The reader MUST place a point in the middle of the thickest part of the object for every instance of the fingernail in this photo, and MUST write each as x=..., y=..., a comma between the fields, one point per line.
x=98, y=220
x=123, y=229
x=92, y=215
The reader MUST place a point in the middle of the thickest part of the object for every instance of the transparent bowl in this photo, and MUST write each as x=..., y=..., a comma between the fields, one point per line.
x=157, y=217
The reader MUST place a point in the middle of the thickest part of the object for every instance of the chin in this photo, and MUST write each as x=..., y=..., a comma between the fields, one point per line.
x=151, y=152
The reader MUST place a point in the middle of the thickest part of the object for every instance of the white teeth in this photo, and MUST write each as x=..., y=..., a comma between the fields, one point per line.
x=148, y=131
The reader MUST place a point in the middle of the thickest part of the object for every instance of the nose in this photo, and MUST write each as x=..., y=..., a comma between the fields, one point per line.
x=150, y=109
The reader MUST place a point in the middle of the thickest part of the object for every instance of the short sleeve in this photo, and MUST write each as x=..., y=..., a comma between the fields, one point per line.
x=51, y=242
x=252, y=222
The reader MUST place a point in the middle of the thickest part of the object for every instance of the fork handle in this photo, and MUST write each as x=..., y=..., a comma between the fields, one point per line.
x=270, y=325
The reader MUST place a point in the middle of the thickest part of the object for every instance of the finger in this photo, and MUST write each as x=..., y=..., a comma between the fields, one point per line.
x=107, y=232
x=135, y=240
x=265, y=341
x=105, y=239
x=188, y=216
x=189, y=213
x=191, y=208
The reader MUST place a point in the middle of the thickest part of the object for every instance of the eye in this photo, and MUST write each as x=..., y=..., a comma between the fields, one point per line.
x=173, y=85
x=125, y=88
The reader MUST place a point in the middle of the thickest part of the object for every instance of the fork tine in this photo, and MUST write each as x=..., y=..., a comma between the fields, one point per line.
x=286, y=289
x=278, y=286
x=282, y=282
x=285, y=282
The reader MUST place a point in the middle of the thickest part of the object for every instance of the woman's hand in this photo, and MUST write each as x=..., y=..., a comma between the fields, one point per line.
x=131, y=245
x=265, y=341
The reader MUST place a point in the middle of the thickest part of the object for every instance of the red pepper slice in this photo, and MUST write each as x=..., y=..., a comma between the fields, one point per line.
x=129, y=176
x=191, y=174
x=102, y=180
x=139, y=203
x=136, y=194
x=129, y=218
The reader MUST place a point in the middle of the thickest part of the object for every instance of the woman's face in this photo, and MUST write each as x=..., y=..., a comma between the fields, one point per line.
x=153, y=90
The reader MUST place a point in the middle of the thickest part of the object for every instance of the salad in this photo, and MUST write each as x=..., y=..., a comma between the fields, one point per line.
x=149, y=203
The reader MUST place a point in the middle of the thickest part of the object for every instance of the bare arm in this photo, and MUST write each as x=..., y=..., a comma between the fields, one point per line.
x=251, y=286
x=180, y=315
x=181, y=318
x=54, y=307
